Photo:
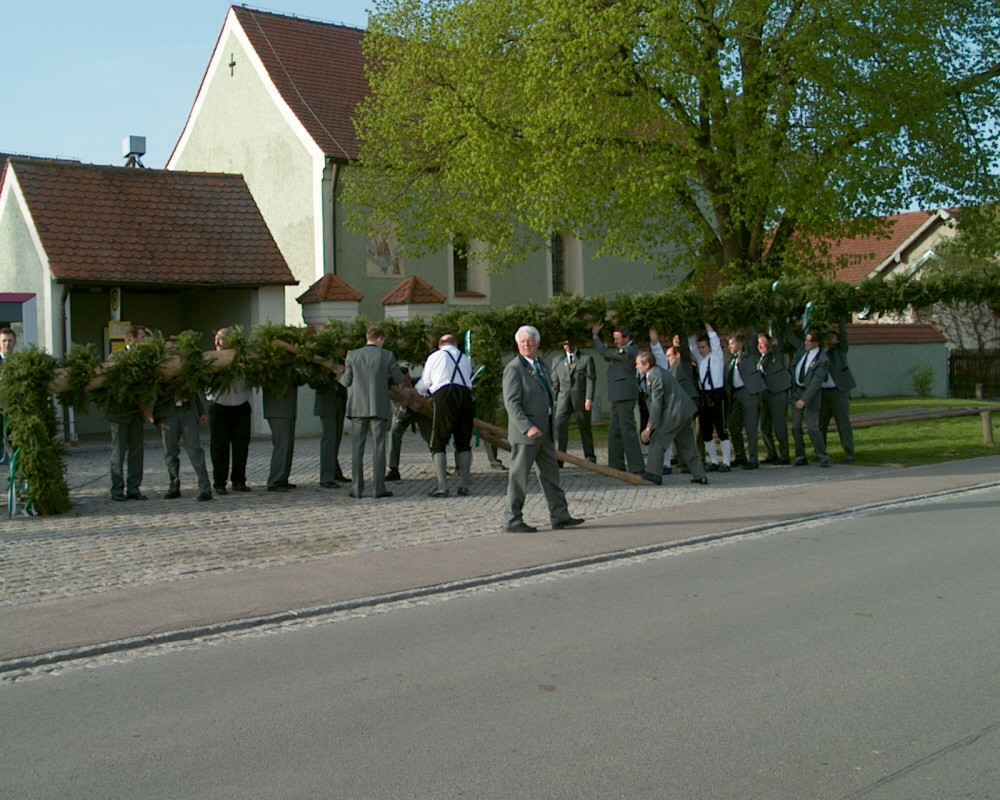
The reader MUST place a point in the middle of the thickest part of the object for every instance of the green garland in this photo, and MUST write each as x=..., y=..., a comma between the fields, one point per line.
x=135, y=374
x=31, y=427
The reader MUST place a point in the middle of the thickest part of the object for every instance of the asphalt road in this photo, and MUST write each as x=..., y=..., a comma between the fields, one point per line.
x=851, y=658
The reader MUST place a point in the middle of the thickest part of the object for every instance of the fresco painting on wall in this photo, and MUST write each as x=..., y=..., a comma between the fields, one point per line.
x=383, y=258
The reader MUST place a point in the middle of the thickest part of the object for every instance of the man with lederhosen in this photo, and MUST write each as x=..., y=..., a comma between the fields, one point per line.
x=447, y=380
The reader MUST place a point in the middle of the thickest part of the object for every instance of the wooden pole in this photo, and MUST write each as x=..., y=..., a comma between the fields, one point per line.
x=220, y=359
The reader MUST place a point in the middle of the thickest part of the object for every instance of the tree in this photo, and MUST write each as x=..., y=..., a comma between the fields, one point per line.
x=729, y=134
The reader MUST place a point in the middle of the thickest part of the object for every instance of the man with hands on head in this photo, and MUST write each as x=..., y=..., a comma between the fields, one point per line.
x=623, y=393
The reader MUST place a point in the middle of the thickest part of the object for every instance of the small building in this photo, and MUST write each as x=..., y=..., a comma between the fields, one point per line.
x=173, y=251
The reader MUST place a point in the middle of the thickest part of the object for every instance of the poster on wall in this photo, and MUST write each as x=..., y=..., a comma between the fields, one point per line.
x=383, y=258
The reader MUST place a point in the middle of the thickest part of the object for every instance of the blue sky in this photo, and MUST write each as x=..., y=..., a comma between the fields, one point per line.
x=78, y=76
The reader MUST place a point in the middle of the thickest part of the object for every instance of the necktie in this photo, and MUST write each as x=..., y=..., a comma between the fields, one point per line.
x=572, y=359
x=541, y=376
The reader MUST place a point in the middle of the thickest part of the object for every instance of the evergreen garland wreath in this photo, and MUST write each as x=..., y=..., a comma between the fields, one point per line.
x=31, y=421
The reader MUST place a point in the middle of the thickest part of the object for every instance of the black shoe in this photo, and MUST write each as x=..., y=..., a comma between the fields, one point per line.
x=351, y=494
x=119, y=498
x=739, y=462
x=241, y=487
x=464, y=491
x=825, y=464
x=288, y=485
x=801, y=462
x=783, y=462
x=713, y=467
x=520, y=528
x=172, y=495
x=278, y=487
x=135, y=496
x=383, y=494
x=649, y=476
x=701, y=481
x=439, y=493
x=592, y=459
x=340, y=478
x=751, y=465
x=724, y=468
x=330, y=485
x=668, y=470
x=572, y=522
x=848, y=459
x=205, y=496
x=393, y=475
x=221, y=490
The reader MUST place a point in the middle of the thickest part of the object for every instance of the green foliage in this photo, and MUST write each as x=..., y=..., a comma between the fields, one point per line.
x=738, y=135
x=921, y=379
x=134, y=377
x=196, y=373
x=270, y=367
x=31, y=420
x=80, y=364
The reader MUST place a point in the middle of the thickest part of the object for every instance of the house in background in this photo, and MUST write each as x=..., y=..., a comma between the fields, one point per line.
x=276, y=105
x=906, y=244
x=172, y=251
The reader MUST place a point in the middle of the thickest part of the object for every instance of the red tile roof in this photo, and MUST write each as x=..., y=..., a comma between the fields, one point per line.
x=414, y=291
x=865, y=253
x=909, y=333
x=330, y=288
x=111, y=225
x=319, y=70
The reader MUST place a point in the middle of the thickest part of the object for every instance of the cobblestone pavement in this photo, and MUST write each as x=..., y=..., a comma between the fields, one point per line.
x=101, y=544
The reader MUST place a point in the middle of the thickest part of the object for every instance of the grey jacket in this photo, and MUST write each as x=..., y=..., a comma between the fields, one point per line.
x=572, y=387
x=669, y=405
x=527, y=400
x=368, y=373
x=622, y=383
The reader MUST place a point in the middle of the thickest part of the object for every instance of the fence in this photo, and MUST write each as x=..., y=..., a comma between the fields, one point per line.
x=969, y=369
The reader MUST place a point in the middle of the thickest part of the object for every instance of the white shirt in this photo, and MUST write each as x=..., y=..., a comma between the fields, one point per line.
x=444, y=367
x=712, y=366
x=237, y=395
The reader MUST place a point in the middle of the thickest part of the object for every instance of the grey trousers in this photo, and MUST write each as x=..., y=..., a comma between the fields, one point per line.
x=837, y=406
x=282, y=450
x=522, y=458
x=743, y=414
x=183, y=425
x=623, y=439
x=811, y=415
x=126, y=437
x=687, y=448
x=379, y=428
x=774, y=423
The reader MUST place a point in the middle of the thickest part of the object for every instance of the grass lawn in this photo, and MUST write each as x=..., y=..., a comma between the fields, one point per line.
x=900, y=444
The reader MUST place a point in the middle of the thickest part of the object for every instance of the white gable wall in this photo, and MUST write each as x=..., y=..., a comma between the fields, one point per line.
x=240, y=124
x=24, y=267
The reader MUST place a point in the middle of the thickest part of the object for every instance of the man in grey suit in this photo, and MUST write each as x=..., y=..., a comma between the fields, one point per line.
x=127, y=438
x=331, y=408
x=368, y=373
x=178, y=418
x=527, y=396
x=623, y=394
x=810, y=367
x=745, y=386
x=837, y=394
x=774, y=403
x=671, y=419
x=574, y=378
x=281, y=412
